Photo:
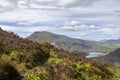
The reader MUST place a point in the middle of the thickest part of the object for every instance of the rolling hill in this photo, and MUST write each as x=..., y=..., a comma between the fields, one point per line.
x=22, y=59
x=113, y=58
x=72, y=44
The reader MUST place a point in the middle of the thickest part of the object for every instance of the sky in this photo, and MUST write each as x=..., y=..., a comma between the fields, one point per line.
x=83, y=19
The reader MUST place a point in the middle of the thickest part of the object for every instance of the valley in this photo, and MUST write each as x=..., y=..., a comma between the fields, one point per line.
x=73, y=44
x=59, y=39
x=28, y=60
x=98, y=51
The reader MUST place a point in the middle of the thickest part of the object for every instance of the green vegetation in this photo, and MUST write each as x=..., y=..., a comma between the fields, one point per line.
x=72, y=44
x=26, y=60
x=8, y=72
x=116, y=72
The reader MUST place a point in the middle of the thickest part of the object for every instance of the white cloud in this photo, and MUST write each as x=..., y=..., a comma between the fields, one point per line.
x=111, y=29
x=72, y=15
x=71, y=23
x=32, y=16
x=66, y=2
x=83, y=34
x=25, y=31
x=106, y=31
x=77, y=26
x=36, y=11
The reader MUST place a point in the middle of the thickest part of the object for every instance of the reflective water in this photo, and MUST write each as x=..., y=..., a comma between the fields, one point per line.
x=93, y=54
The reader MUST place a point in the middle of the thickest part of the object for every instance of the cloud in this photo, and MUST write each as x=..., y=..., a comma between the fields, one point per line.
x=111, y=29
x=107, y=28
x=32, y=16
x=62, y=3
x=26, y=31
x=88, y=32
x=106, y=31
x=87, y=19
x=29, y=12
x=71, y=23
x=77, y=26
x=7, y=5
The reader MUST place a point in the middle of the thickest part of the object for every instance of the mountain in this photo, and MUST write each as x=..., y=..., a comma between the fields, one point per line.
x=22, y=59
x=71, y=44
x=60, y=40
x=113, y=58
x=117, y=41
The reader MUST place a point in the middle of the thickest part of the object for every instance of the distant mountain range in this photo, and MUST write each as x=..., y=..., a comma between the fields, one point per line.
x=112, y=41
x=72, y=44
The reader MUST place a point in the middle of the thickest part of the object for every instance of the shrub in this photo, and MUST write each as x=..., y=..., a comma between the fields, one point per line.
x=36, y=58
x=37, y=74
x=8, y=72
x=31, y=76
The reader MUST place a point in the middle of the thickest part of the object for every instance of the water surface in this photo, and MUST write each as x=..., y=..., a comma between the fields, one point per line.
x=94, y=54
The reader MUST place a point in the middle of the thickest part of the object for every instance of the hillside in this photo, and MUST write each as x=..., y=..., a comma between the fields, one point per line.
x=22, y=59
x=72, y=44
x=113, y=58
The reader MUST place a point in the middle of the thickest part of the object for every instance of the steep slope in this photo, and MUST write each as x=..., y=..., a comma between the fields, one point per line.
x=9, y=42
x=43, y=61
x=71, y=44
x=113, y=58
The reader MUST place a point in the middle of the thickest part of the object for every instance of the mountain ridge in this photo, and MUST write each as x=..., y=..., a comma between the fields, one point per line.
x=71, y=44
x=112, y=41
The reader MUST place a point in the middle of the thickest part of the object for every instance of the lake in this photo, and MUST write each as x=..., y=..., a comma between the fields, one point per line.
x=94, y=54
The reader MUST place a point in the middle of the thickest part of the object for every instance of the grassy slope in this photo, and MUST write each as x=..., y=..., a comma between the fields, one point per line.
x=117, y=74
x=42, y=61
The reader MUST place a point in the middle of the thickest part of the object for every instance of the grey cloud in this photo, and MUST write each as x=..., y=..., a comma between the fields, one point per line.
x=53, y=3
x=8, y=5
x=83, y=3
x=59, y=3
x=72, y=3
